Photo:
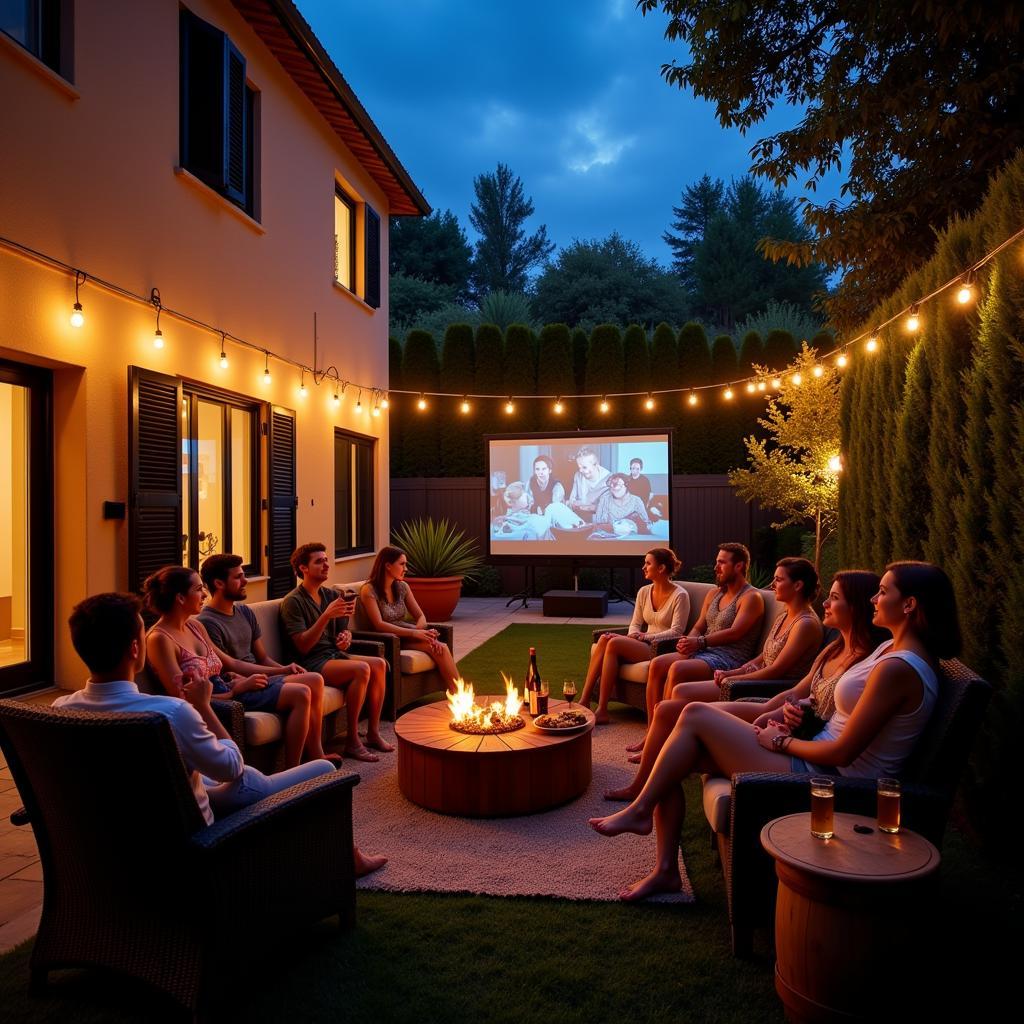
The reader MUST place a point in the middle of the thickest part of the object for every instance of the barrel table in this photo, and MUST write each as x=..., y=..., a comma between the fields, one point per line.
x=847, y=907
x=520, y=772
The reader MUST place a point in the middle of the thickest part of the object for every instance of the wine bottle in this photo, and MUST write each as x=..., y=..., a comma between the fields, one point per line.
x=532, y=683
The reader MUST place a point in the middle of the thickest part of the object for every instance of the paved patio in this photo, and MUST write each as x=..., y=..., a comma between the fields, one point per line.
x=476, y=620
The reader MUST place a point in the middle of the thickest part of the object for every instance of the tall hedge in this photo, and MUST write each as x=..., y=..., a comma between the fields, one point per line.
x=751, y=351
x=605, y=374
x=780, y=349
x=521, y=376
x=461, y=450
x=690, y=452
x=486, y=416
x=580, y=348
x=555, y=377
x=399, y=406
x=421, y=441
x=637, y=364
x=949, y=403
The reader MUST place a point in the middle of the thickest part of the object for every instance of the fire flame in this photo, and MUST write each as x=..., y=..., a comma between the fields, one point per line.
x=465, y=710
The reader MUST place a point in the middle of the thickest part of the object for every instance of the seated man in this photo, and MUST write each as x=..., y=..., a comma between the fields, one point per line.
x=108, y=633
x=542, y=487
x=234, y=629
x=315, y=617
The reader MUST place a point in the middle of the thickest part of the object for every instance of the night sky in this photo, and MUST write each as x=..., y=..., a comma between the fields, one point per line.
x=568, y=93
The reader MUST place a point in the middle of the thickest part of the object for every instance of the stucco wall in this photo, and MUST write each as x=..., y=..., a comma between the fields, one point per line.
x=91, y=181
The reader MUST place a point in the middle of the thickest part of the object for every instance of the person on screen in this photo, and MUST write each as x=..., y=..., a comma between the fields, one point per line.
x=620, y=513
x=638, y=483
x=519, y=523
x=588, y=483
x=542, y=487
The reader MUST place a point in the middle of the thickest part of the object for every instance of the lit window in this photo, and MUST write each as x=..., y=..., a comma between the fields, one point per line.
x=344, y=240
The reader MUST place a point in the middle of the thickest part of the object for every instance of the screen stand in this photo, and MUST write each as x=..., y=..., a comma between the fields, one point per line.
x=614, y=594
x=524, y=595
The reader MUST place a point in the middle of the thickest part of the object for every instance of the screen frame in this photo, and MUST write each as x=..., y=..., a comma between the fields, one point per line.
x=568, y=437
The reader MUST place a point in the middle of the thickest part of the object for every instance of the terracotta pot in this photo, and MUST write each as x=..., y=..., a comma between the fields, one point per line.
x=437, y=597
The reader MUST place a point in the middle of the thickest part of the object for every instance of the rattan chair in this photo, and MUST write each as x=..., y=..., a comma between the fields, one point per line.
x=134, y=881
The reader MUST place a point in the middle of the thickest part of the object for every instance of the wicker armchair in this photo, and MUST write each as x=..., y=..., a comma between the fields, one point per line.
x=134, y=881
x=738, y=809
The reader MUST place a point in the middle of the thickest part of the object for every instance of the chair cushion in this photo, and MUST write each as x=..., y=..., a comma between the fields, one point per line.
x=635, y=672
x=416, y=661
x=333, y=699
x=717, y=799
x=261, y=727
x=268, y=616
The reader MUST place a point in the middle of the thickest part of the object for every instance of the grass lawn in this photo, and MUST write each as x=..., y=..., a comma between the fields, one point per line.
x=444, y=958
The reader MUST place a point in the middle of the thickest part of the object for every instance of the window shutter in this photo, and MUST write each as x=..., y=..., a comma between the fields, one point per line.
x=203, y=100
x=372, y=263
x=236, y=130
x=283, y=502
x=154, y=473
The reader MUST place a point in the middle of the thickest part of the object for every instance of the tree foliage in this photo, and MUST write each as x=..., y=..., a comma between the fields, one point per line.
x=608, y=281
x=789, y=469
x=900, y=96
x=505, y=253
x=699, y=204
x=555, y=375
x=432, y=249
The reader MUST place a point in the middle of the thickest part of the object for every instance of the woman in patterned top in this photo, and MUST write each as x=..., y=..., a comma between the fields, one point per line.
x=386, y=604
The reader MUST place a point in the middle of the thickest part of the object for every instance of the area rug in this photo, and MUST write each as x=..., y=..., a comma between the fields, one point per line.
x=555, y=853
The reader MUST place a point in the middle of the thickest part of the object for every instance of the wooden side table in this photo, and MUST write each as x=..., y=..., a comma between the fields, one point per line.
x=846, y=909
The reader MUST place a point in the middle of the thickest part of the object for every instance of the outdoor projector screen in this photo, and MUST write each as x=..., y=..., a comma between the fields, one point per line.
x=585, y=496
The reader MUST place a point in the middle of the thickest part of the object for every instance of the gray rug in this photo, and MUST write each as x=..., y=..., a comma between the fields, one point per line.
x=551, y=854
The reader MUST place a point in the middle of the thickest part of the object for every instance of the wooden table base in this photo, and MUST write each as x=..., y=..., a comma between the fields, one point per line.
x=519, y=772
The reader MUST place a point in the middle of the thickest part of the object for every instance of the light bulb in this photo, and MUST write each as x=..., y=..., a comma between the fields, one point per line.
x=559, y=407
x=385, y=403
x=761, y=386
x=376, y=410
x=337, y=398
x=77, y=316
x=223, y=360
x=842, y=361
x=835, y=464
x=818, y=371
x=158, y=338
x=797, y=379
x=872, y=345
x=965, y=294
x=913, y=320
x=510, y=407
x=727, y=394
x=302, y=390
x=359, y=404
x=776, y=383
x=465, y=407
x=692, y=399
x=604, y=405
x=649, y=404
x=751, y=388
x=421, y=404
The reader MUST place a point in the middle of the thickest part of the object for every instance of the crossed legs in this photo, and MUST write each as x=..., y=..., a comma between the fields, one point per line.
x=443, y=658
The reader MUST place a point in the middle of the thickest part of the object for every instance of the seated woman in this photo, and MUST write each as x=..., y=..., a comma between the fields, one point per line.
x=848, y=609
x=519, y=523
x=883, y=705
x=660, y=613
x=619, y=511
x=542, y=487
x=791, y=645
x=178, y=649
x=386, y=602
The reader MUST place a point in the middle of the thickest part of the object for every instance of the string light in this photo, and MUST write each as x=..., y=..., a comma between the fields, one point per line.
x=465, y=406
x=797, y=379
x=158, y=335
x=422, y=403
x=841, y=360
x=302, y=382
x=385, y=402
x=872, y=344
x=835, y=464
x=649, y=404
x=337, y=397
x=375, y=411
x=818, y=371
x=727, y=394
x=692, y=398
x=913, y=320
x=604, y=405
x=751, y=388
x=223, y=353
x=359, y=402
x=77, y=316
x=558, y=407
x=510, y=406
x=761, y=385
x=266, y=367
x=776, y=383
x=966, y=291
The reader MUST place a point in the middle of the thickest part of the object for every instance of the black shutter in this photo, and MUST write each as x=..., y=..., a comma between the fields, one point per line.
x=236, y=131
x=203, y=99
x=372, y=295
x=154, y=473
x=283, y=501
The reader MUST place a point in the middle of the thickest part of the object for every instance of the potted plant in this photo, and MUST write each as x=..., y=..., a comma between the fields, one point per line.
x=440, y=558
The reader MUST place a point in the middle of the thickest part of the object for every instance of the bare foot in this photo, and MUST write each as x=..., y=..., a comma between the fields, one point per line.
x=656, y=882
x=361, y=754
x=366, y=865
x=377, y=743
x=626, y=793
x=634, y=747
x=635, y=758
x=629, y=819
x=335, y=759
x=602, y=719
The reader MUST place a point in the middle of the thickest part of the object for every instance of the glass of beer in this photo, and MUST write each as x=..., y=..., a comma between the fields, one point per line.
x=822, y=801
x=889, y=805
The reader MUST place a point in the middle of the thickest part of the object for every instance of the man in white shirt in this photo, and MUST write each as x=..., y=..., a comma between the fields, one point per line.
x=589, y=483
x=108, y=633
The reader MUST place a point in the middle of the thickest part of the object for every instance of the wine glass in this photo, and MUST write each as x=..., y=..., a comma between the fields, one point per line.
x=569, y=690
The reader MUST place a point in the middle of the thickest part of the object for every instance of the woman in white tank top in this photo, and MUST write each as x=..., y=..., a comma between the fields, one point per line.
x=882, y=707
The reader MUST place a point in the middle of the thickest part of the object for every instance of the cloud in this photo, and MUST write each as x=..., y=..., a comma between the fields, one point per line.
x=593, y=145
x=498, y=121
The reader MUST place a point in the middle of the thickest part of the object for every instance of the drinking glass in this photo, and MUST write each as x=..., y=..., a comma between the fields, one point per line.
x=889, y=805
x=569, y=691
x=822, y=803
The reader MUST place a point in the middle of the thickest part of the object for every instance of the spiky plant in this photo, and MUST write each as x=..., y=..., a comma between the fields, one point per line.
x=437, y=549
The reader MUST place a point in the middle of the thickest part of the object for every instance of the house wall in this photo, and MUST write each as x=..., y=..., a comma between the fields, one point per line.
x=88, y=177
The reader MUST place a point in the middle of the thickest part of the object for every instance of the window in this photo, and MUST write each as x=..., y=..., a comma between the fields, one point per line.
x=344, y=240
x=353, y=494
x=218, y=113
x=36, y=25
x=219, y=508
x=345, y=247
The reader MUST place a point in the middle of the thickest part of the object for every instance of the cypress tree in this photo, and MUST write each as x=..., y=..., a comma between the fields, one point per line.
x=665, y=372
x=461, y=450
x=637, y=361
x=911, y=494
x=725, y=446
x=823, y=342
x=605, y=375
x=486, y=416
x=751, y=352
x=398, y=408
x=779, y=349
x=520, y=379
x=555, y=377
x=421, y=371
x=580, y=349
x=690, y=452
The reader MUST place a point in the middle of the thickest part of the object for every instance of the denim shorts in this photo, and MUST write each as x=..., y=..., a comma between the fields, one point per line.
x=802, y=767
x=716, y=660
x=262, y=700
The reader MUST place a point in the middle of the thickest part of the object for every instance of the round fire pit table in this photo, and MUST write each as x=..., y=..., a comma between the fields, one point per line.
x=520, y=772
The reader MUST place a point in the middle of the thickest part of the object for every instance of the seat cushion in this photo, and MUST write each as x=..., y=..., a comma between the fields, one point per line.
x=717, y=799
x=333, y=699
x=261, y=727
x=416, y=661
x=635, y=672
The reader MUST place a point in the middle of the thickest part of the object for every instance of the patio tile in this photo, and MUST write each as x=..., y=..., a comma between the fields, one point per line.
x=18, y=897
x=31, y=872
x=20, y=928
x=13, y=863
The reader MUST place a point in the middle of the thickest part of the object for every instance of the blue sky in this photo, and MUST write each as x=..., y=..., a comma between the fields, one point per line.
x=568, y=93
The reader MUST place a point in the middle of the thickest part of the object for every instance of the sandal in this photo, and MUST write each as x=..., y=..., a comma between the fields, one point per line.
x=384, y=748
x=362, y=754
